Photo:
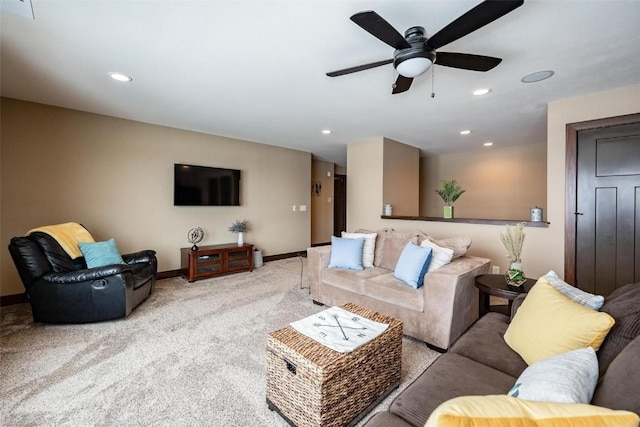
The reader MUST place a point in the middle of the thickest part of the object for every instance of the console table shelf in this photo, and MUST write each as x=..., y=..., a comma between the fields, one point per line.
x=215, y=260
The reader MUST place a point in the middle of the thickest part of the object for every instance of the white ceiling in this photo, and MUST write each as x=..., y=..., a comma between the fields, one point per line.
x=255, y=70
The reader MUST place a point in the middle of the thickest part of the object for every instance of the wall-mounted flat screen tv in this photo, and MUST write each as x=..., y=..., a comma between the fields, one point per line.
x=205, y=186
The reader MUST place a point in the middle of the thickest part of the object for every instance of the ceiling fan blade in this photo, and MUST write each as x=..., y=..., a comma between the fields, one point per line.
x=467, y=61
x=402, y=84
x=359, y=68
x=375, y=25
x=481, y=15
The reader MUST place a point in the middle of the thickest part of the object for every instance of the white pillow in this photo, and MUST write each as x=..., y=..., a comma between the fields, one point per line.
x=592, y=301
x=369, y=246
x=569, y=377
x=439, y=256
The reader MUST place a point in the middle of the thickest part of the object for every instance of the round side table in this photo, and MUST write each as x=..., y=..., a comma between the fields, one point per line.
x=496, y=285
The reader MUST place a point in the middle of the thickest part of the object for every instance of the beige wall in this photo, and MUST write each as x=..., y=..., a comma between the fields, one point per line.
x=500, y=183
x=544, y=247
x=322, y=205
x=116, y=177
x=401, y=177
x=364, y=182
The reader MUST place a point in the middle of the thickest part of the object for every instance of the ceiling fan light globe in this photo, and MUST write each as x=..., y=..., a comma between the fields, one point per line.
x=413, y=67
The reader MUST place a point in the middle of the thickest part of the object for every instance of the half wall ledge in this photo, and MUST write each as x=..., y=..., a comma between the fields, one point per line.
x=542, y=224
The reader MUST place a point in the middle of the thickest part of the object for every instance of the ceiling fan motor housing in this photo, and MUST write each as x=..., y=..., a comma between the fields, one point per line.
x=415, y=36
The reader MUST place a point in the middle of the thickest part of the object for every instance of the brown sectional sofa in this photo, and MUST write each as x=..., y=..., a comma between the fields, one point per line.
x=481, y=363
x=437, y=313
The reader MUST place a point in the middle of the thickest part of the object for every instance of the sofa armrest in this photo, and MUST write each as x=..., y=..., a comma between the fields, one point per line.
x=515, y=305
x=318, y=258
x=451, y=298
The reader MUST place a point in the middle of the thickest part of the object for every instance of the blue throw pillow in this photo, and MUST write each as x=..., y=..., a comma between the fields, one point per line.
x=346, y=253
x=99, y=254
x=413, y=265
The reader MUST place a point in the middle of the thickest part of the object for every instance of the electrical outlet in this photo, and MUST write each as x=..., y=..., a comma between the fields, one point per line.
x=294, y=208
x=495, y=269
x=303, y=208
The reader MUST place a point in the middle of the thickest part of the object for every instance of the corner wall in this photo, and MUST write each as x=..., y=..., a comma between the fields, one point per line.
x=322, y=174
x=401, y=177
x=364, y=182
x=115, y=176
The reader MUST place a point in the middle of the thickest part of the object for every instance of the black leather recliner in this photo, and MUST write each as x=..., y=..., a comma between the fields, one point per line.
x=63, y=290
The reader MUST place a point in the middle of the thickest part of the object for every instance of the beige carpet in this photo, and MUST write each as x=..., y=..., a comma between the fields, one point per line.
x=191, y=355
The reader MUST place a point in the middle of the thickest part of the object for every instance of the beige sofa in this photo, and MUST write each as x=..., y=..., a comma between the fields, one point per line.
x=437, y=313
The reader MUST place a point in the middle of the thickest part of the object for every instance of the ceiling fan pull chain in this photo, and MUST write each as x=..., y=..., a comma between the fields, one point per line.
x=433, y=91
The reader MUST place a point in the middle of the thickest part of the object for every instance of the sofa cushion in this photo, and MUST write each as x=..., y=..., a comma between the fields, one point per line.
x=351, y=280
x=413, y=264
x=548, y=323
x=440, y=255
x=393, y=291
x=618, y=388
x=391, y=247
x=493, y=411
x=587, y=299
x=100, y=254
x=451, y=375
x=368, y=248
x=565, y=378
x=484, y=343
x=459, y=244
x=380, y=236
x=624, y=306
x=387, y=419
x=346, y=253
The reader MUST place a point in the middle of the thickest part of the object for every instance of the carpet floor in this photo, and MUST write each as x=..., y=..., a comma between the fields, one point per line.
x=193, y=354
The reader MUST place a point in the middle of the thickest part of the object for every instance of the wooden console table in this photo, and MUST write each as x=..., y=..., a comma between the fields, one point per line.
x=215, y=260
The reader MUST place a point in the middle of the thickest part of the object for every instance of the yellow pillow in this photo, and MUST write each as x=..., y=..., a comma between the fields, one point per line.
x=506, y=411
x=548, y=323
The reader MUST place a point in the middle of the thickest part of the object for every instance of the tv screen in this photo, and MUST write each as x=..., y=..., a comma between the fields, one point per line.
x=205, y=186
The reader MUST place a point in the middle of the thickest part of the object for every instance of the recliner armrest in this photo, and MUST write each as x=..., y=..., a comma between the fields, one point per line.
x=145, y=257
x=89, y=274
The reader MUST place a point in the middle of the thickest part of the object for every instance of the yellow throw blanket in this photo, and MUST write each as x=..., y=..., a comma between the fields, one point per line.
x=68, y=235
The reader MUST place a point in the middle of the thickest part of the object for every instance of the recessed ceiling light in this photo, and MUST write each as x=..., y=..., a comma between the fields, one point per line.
x=480, y=92
x=120, y=77
x=537, y=76
x=465, y=132
x=326, y=131
x=488, y=144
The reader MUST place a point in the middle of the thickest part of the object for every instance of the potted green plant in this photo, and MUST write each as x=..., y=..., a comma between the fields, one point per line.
x=450, y=191
x=240, y=227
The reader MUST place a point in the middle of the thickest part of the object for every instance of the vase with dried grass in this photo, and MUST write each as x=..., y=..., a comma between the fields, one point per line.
x=513, y=240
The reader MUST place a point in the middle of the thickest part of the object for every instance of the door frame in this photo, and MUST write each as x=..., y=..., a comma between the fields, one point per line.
x=571, y=180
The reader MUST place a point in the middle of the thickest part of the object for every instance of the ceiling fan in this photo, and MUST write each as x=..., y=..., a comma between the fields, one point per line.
x=415, y=52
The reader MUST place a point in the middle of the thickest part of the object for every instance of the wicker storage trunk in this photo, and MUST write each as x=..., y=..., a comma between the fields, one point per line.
x=311, y=385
